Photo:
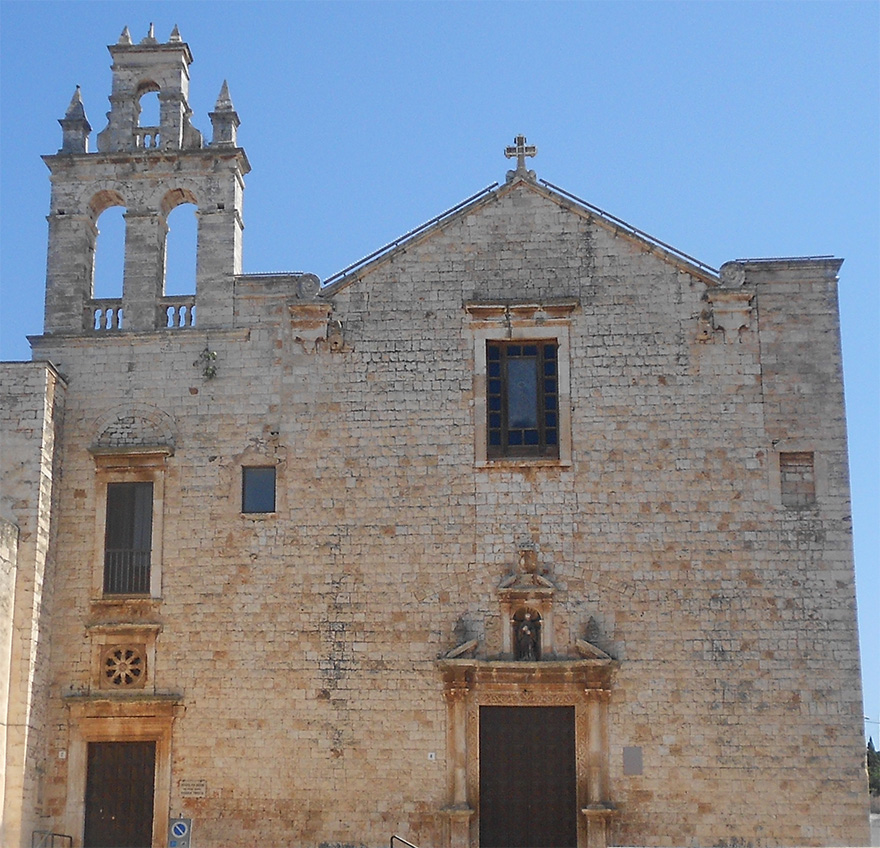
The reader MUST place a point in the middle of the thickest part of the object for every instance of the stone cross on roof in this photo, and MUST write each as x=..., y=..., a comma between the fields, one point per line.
x=520, y=149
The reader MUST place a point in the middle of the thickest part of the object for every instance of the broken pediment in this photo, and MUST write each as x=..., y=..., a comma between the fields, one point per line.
x=589, y=651
x=462, y=650
x=528, y=579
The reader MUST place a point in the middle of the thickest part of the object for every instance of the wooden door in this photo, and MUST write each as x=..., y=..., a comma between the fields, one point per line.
x=119, y=795
x=528, y=785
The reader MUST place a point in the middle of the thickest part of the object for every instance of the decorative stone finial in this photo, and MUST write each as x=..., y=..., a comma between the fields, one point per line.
x=224, y=120
x=75, y=126
x=224, y=101
x=175, y=38
x=125, y=38
x=520, y=149
x=151, y=36
x=76, y=109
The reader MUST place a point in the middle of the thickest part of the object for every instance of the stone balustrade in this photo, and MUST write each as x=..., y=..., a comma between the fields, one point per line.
x=103, y=314
x=175, y=312
x=179, y=310
x=147, y=138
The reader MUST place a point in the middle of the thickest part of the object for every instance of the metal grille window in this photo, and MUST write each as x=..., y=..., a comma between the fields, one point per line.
x=128, y=538
x=258, y=489
x=522, y=390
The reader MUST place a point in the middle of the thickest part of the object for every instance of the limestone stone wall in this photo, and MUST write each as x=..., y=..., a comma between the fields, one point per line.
x=8, y=564
x=300, y=647
x=31, y=407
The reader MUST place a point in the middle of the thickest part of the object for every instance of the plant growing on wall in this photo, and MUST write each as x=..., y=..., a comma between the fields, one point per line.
x=206, y=360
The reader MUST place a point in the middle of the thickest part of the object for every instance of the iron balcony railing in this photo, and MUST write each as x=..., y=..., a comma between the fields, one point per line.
x=47, y=839
x=126, y=572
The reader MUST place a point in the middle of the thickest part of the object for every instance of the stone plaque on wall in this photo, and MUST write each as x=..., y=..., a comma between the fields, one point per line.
x=193, y=788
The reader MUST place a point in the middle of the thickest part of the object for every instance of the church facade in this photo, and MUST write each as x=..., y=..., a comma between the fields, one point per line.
x=527, y=530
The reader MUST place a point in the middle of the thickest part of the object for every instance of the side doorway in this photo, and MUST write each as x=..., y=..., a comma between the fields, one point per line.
x=528, y=777
x=120, y=787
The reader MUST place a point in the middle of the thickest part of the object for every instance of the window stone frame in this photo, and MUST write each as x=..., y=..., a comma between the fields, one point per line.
x=820, y=474
x=129, y=465
x=547, y=321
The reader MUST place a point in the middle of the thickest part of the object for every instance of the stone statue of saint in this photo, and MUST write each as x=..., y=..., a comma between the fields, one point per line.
x=527, y=633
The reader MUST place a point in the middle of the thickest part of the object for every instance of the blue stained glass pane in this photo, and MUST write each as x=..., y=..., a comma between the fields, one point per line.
x=495, y=403
x=530, y=350
x=494, y=387
x=550, y=419
x=550, y=386
x=549, y=369
x=494, y=419
x=514, y=437
x=549, y=351
x=550, y=436
x=522, y=393
x=531, y=437
x=494, y=438
x=494, y=369
x=514, y=350
x=493, y=352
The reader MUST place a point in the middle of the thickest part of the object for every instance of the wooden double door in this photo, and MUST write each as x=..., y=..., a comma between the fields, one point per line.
x=120, y=781
x=528, y=777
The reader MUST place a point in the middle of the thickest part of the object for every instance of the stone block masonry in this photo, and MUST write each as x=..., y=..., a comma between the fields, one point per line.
x=677, y=529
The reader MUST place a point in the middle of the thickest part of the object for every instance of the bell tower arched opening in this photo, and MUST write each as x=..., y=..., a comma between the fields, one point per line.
x=180, y=249
x=148, y=120
x=109, y=263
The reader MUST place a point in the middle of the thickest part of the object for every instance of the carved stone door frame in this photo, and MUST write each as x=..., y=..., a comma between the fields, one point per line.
x=582, y=684
x=119, y=720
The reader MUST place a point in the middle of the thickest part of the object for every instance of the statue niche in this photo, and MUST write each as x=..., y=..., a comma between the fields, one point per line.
x=526, y=606
x=526, y=635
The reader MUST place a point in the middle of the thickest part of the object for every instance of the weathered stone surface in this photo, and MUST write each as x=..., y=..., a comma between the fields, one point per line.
x=31, y=417
x=293, y=656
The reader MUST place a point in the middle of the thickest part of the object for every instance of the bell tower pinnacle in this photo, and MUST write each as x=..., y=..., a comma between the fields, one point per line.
x=139, y=69
x=76, y=126
x=149, y=171
x=224, y=120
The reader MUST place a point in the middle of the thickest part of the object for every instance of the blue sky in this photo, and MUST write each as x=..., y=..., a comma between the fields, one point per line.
x=729, y=130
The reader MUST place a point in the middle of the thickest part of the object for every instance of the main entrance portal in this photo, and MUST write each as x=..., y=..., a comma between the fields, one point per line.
x=528, y=790
x=119, y=795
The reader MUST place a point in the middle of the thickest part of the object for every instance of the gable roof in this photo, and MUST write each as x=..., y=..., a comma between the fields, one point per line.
x=358, y=270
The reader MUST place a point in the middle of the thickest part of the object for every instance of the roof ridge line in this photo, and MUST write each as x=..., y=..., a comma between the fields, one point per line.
x=339, y=275
x=630, y=228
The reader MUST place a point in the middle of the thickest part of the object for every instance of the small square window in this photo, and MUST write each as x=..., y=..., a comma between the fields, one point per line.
x=258, y=490
x=522, y=391
x=797, y=479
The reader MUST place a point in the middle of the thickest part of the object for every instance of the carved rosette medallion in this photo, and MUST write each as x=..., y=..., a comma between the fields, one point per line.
x=123, y=667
